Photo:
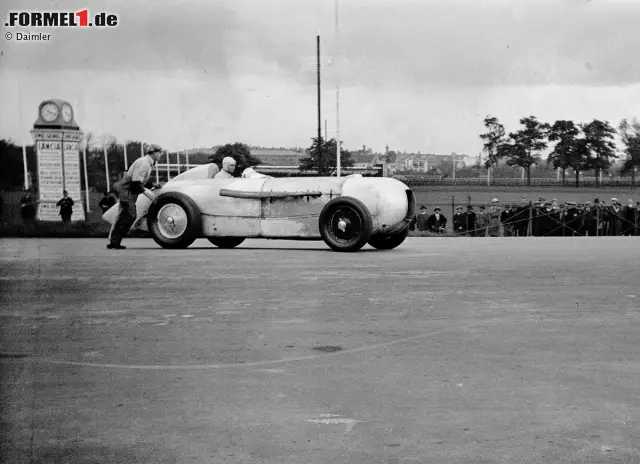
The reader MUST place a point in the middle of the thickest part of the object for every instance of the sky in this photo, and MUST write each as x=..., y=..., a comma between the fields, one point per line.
x=416, y=75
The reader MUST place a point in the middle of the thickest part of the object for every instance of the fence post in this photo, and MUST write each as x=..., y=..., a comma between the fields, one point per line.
x=530, y=222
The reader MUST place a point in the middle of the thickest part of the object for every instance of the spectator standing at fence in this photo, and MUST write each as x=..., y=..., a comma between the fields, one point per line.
x=506, y=216
x=629, y=215
x=538, y=217
x=616, y=218
x=572, y=219
x=589, y=220
x=482, y=222
x=494, y=219
x=459, y=222
x=106, y=202
x=520, y=219
x=470, y=219
x=437, y=222
x=28, y=209
x=422, y=221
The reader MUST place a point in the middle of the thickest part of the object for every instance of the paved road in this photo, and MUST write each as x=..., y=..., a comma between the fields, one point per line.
x=446, y=350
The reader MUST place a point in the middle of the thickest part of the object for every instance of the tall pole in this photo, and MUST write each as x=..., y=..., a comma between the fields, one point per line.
x=86, y=176
x=453, y=162
x=24, y=148
x=126, y=163
x=319, y=116
x=325, y=130
x=338, y=158
x=106, y=165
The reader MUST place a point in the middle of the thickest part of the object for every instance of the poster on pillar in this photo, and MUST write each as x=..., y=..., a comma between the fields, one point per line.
x=58, y=170
x=50, y=174
x=71, y=151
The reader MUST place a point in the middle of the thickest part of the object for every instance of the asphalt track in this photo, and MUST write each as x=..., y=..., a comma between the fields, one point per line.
x=446, y=350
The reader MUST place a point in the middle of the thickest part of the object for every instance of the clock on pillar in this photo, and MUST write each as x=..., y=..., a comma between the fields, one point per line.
x=58, y=142
x=55, y=114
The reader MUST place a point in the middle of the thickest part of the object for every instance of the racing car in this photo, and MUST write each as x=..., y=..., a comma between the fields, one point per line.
x=346, y=212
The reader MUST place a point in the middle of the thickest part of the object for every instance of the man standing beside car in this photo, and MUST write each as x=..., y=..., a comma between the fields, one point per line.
x=133, y=184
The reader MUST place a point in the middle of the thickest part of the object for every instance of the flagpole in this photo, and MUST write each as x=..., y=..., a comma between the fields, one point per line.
x=106, y=165
x=24, y=148
x=338, y=157
x=86, y=176
x=126, y=164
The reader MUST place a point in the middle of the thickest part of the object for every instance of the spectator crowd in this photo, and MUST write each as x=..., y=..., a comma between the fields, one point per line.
x=539, y=219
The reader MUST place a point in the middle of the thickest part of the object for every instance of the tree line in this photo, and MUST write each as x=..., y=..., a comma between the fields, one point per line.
x=580, y=147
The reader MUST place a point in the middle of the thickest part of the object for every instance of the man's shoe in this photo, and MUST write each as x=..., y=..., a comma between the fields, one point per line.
x=111, y=246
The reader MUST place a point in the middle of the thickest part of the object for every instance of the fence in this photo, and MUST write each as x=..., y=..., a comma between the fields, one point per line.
x=518, y=182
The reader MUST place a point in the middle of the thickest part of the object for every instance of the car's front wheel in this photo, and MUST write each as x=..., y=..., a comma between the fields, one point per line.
x=345, y=224
x=226, y=242
x=388, y=242
x=174, y=220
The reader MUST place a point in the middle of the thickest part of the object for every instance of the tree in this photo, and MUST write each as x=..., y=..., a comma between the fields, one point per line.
x=630, y=133
x=525, y=145
x=238, y=151
x=599, y=138
x=493, y=138
x=328, y=160
x=565, y=153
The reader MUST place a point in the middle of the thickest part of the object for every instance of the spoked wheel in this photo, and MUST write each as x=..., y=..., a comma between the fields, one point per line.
x=226, y=242
x=388, y=242
x=174, y=220
x=345, y=224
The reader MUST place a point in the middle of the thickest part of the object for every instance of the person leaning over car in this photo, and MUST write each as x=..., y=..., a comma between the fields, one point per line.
x=131, y=186
x=228, y=168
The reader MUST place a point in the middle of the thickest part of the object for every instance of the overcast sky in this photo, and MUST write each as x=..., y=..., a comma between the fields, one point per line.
x=416, y=75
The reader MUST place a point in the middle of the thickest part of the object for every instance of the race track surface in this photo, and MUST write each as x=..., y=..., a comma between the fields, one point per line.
x=446, y=350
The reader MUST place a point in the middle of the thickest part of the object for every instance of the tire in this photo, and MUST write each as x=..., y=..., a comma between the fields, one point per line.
x=226, y=242
x=174, y=220
x=356, y=219
x=388, y=242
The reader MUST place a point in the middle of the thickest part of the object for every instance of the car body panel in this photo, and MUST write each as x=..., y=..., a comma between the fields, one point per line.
x=268, y=207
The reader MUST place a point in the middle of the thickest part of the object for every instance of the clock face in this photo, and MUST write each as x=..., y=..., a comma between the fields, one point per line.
x=49, y=112
x=67, y=113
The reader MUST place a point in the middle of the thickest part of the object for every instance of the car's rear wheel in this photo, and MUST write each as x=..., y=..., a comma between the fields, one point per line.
x=388, y=242
x=345, y=224
x=174, y=220
x=226, y=242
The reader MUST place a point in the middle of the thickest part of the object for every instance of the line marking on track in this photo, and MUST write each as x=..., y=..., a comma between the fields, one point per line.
x=239, y=365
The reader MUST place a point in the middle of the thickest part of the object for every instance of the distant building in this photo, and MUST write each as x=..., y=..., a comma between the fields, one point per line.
x=279, y=156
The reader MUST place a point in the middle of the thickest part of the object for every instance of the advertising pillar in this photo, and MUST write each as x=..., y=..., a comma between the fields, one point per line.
x=58, y=139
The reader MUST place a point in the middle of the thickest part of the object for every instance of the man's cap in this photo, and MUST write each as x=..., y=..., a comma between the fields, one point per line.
x=570, y=203
x=614, y=199
x=423, y=207
x=469, y=206
x=153, y=148
x=548, y=204
x=458, y=207
x=437, y=208
x=541, y=199
x=495, y=200
x=587, y=202
x=482, y=207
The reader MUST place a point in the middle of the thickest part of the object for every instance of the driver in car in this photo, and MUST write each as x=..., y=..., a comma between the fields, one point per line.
x=228, y=168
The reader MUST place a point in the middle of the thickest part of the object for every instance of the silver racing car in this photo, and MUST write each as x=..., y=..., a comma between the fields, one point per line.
x=346, y=212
